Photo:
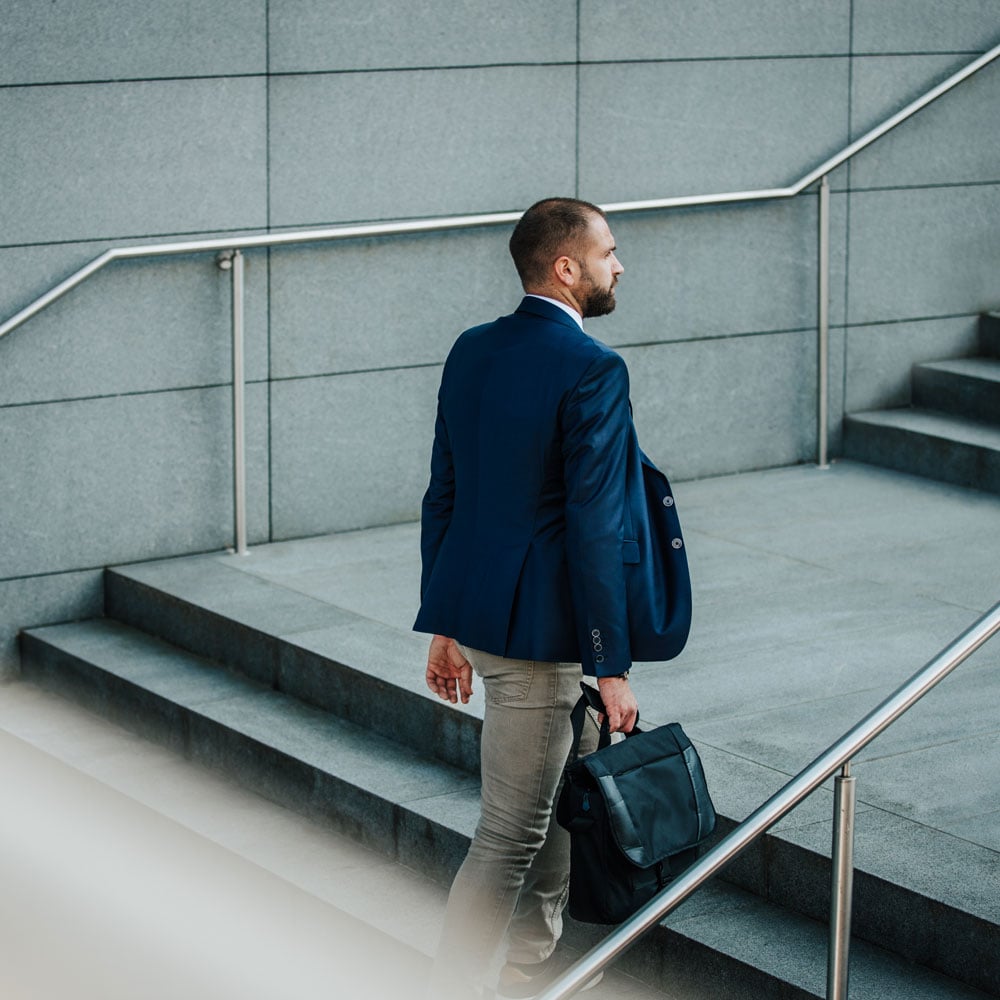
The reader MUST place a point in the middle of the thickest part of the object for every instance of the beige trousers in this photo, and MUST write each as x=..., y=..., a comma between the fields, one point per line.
x=515, y=878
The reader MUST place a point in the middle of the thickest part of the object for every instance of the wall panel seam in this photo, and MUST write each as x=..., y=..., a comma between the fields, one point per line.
x=72, y=571
x=127, y=81
x=430, y=68
x=458, y=67
x=921, y=187
x=680, y=60
x=129, y=394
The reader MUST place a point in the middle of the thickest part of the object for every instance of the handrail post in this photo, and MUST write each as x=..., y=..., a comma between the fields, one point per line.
x=233, y=260
x=838, y=755
x=841, y=896
x=823, y=339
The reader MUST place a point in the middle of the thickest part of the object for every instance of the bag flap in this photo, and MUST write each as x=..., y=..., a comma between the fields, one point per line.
x=654, y=787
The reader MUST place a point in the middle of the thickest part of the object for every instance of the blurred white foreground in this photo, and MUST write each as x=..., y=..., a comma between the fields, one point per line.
x=102, y=898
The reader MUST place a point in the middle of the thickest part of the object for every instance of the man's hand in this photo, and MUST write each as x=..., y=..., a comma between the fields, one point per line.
x=619, y=702
x=449, y=674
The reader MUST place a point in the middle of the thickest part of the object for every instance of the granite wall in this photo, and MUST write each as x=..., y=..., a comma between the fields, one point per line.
x=127, y=122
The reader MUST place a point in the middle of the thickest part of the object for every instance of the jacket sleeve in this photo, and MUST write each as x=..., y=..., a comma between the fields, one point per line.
x=439, y=500
x=595, y=427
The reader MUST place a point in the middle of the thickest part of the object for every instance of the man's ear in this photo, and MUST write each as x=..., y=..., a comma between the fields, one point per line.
x=566, y=271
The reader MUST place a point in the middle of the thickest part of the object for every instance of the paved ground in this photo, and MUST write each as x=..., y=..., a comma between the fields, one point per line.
x=817, y=594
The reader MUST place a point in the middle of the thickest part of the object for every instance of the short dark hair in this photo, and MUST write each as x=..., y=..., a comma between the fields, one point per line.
x=550, y=228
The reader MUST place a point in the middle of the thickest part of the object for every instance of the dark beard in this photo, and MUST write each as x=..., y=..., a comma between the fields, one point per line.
x=599, y=302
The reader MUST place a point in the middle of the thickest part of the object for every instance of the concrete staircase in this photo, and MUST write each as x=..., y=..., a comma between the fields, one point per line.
x=324, y=711
x=952, y=429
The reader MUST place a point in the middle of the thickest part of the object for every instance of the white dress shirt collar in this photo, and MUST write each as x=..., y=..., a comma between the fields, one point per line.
x=577, y=318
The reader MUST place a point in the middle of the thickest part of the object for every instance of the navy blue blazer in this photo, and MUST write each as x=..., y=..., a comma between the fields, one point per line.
x=546, y=533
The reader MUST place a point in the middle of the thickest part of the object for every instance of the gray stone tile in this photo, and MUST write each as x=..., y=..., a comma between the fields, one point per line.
x=459, y=810
x=378, y=767
x=929, y=26
x=635, y=117
x=121, y=39
x=950, y=142
x=373, y=677
x=983, y=829
x=916, y=858
x=396, y=657
x=167, y=141
x=770, y=497
x=214, y=585
x=767, y=254
x=137, y=326
x=43, y=600
x=631, y=29
x=791, y=736
x=835, y=519
x=963, y=770
x=149, y=663
x=124, y=478
x=308, y=35
x=956, y=570
x=317, y=307
x=312, y=565
x=942, y=446
x=334, y=440
x=336, y=141
x=794, y=548
x=433, y=838
x=879, y=357
x=383, y=589
x=802, y=649
x=923, y=252
x=724, y=571
x=697, y=417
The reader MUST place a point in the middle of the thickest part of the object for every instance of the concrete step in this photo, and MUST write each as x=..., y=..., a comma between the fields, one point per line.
x=333, y=918
x=324, y=767
x=344, y=663
x=422, y=811
x=965, y=387
x=936, y=445
x=989, y=334
x=372, y=675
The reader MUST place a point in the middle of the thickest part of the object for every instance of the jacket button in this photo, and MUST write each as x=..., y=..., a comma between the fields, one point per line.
x=676, y=543
x=668, y=501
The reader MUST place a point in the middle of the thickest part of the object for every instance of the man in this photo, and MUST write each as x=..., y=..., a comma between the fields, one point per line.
x=542, y=561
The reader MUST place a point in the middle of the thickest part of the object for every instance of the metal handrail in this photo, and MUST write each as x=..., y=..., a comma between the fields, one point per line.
x=837, y=756
x=230, y=248
x=490, y=219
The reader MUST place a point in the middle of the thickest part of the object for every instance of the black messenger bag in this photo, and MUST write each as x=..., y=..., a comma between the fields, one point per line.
x=635, y=810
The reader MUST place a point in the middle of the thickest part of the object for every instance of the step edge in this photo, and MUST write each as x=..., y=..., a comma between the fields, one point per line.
x=936, y=418
x=799, y=853
x=287, y=653
x=411, y=807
